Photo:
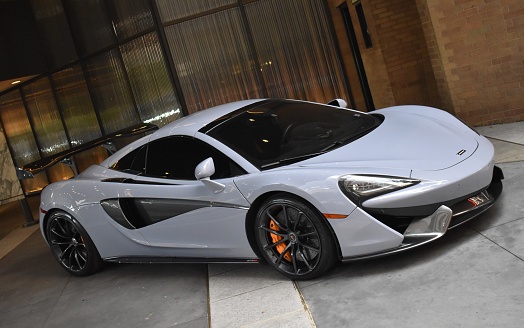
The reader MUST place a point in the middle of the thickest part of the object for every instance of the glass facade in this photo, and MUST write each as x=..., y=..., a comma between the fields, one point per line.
x=115, y=63
x=269, y=48
x=20, y=137
x=171, y=11
x=73, y=97
x=130, y=17
x=90, y=23
x=110, y=91
x=150, y=82
x=54, y=31
x=296, y=58
x=219, y=67
x=47, y=124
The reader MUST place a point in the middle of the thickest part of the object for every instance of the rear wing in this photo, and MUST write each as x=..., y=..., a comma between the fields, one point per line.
x=29, y=170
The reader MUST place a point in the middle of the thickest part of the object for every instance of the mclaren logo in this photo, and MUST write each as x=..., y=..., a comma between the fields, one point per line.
x=461, y=152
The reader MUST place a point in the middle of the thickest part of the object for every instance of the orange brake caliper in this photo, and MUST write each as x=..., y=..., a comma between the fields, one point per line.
x=280, y=247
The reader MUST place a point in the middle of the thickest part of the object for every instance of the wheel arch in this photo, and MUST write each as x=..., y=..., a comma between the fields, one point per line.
x=255, y=206
x=46, y=217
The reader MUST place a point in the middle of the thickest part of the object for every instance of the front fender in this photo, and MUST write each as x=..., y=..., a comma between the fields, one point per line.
x=317, y=186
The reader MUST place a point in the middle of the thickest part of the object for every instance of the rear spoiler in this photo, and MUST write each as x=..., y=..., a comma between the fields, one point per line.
x=29, y=170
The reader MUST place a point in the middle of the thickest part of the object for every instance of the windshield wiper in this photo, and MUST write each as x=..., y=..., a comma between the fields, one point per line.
x=346, y=140
x=338, y=143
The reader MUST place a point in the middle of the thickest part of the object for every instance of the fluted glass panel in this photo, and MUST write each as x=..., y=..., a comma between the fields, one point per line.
x=111, y=94
x=218, y=67
x=20, y=136
x=172, y=10
x=150, y=81
x=91, y=24
x=54, y=31
x=79, y=115
x=47, y=124
x=296, y=50
x=18, y=129
x=130, y=17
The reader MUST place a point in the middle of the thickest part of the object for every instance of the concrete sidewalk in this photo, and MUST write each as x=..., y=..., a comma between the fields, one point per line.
x=471, y=277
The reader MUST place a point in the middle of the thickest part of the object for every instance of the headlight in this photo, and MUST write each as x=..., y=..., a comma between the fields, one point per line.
x=361, y=187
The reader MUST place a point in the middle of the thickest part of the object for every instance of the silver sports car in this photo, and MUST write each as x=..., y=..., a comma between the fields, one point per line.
x=295, y=184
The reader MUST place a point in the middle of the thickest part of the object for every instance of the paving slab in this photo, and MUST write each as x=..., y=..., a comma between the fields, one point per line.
x=507, y=151
x=254, y=296
x=471, y=277
x=30, y=284
x=461, y=280
x=36, y=292
x=12, y=217
x=510, y=205
x=14, y=238
x=513, y=132
x=509, y=236
x=156, y=296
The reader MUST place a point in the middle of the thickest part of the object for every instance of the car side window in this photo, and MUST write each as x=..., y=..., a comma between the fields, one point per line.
x=177, y=158
x=133, y=163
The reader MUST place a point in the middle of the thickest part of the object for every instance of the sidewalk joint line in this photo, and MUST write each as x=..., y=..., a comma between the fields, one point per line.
x=306, y=307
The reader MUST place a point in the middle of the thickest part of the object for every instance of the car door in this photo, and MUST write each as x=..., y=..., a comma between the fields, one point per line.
x=179, y=215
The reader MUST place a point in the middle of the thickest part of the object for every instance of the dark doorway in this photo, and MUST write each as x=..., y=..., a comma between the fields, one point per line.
x=355, y=51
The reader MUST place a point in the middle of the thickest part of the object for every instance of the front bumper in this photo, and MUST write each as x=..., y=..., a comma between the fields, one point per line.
x=424, y=230
x=469, y=208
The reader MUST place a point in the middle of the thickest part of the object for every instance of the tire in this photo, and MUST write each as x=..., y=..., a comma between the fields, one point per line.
x=71, y=245
x=294, y=238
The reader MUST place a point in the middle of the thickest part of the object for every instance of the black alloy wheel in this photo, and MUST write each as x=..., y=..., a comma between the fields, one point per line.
x=71, y=245
x=294, y=238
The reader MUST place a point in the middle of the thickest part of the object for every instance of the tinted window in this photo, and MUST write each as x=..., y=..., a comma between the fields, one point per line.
x=281, y=132
x=134, y=162
x=177, y=158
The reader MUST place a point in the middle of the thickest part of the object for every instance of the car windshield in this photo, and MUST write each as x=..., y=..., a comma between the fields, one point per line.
x=281, y=132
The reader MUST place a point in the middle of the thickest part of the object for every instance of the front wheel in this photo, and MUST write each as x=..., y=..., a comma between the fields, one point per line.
x=71, y=245
x=294, y=238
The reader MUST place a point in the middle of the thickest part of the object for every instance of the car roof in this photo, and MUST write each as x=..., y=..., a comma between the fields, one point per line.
x=189, y=125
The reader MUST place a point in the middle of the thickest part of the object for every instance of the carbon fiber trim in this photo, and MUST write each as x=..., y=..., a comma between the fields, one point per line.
x=136, y=213
x=138, y=259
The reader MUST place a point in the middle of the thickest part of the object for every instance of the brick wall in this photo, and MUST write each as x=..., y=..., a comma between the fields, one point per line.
x=464, y=56
x=378, y=76
x=398, y=65
x=397, y=30
x=477, y=53
x=358, y=101
x=373, y=59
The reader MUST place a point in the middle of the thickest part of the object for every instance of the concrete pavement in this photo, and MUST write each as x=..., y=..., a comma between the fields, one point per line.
x=471, y=277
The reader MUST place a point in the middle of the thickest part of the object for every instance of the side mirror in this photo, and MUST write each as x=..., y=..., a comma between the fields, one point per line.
x=205, y=169
x=338, y=102
x=203, y=173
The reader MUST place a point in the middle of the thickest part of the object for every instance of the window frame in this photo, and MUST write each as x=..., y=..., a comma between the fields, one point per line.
x=234, y=168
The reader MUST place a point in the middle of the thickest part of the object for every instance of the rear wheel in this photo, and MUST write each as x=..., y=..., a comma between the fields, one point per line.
x=71, y=245
x=294, y=238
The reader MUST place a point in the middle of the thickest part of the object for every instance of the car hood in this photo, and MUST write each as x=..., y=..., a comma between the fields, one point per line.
x=404, y=141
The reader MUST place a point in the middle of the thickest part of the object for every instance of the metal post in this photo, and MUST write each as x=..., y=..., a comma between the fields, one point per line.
x=28, y=216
